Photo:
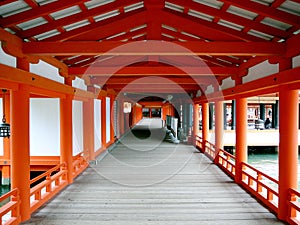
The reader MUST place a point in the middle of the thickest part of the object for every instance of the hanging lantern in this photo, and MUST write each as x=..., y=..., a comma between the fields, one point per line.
x=4, y=127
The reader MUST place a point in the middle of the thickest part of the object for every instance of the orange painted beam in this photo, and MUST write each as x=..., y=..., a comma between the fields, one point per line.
x=266, y=11
x=54, y=24
x=12, y=45
x=104, y=28
x=37, y=12
x=154, y=87
x=266, y=85
x=154, y=48
x=154, y=70
x=13, y=76
x=256, y=25
x=203, y=28
x=152, y=80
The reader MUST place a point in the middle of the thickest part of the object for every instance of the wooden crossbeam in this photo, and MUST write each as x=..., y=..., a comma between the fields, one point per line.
x=154, y=48
x=156, y=71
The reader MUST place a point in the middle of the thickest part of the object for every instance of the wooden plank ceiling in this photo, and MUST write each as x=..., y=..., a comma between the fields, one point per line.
x=113, y=43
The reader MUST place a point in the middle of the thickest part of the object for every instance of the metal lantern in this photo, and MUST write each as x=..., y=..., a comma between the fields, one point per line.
x=4, y=127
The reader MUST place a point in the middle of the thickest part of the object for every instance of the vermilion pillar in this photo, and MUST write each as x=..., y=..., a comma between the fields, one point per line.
x=6, y=145
x=20, y=149
x=241, y=137
x=88, y=131
x=66, y=139
x=219, y=124
x=196, y=121
x=288, y=143
x=205, y=123
x=103, y=122
x=112, y=121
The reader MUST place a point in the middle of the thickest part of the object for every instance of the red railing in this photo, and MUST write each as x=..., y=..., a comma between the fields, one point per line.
x=264, y=187
x=50, y=183
x=226, y=162
x=10, y=211
x=79, y=164
x=294, y=207
x=199, y=141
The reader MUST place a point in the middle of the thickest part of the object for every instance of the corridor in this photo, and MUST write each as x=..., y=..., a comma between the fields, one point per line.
x=146, y=180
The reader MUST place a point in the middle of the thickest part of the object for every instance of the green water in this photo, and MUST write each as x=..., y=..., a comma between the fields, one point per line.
x=4, y=189
x=268, y=164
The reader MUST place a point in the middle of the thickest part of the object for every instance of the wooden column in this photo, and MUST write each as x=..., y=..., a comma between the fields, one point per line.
x=241, y=137
x=205, y=123
x=196, y=122
x=6, y=178
x=20, y=149
x=88, y=131
x=112, y=119
x=103, y=122
x=288, y=143
x=20, y=142
x=66, y=139
x=219, y=125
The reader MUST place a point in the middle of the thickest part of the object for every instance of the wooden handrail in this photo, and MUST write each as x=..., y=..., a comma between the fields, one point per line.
x=294, y=207
x=47, y=173
x=12, y=207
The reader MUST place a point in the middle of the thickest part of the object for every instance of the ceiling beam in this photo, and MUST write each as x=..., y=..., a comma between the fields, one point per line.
x=105, y=28
x=257, y=87
x=38, y=12
x=203, y=28
x=154, y=48
x=54, y=24
x=233, y=18
x=156, y=71
x=266, y=11
x=150, y=80
x=154, y=88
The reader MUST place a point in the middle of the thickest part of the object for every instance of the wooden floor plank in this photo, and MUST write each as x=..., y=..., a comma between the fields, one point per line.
x=166, y=184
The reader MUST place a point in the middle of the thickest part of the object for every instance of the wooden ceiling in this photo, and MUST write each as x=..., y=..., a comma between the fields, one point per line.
x=154, y=45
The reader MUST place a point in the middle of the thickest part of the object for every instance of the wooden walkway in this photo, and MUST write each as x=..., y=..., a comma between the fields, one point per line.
x=147, y=181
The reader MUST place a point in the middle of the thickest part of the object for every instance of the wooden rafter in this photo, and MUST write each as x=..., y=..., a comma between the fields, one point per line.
x=54, y=24
x=233, y=18
x=37, y=12
x=266, y=11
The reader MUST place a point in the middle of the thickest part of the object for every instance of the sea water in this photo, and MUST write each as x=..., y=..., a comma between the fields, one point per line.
x=268, y=164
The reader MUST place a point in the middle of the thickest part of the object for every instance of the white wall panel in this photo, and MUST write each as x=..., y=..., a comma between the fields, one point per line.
x=77, y=127
x=97, y=124
x=44, y=127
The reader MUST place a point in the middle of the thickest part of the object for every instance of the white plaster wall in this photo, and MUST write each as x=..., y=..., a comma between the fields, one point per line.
x=44, y=127
x=43, y=69
x=77, y=127
x=79, y=83
x=209, y=90
x=1, y=139
x=97, y=124
x=263, y=69
x=296, y=61
x=107, y=119
x=7, y=59
x=227, y=83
